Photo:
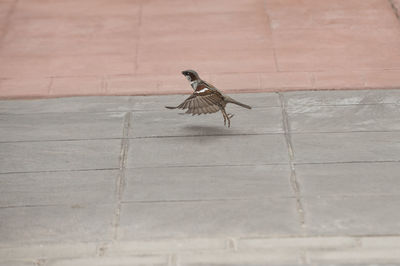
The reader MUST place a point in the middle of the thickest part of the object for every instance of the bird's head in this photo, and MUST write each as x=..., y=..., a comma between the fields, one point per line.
x=191, y=75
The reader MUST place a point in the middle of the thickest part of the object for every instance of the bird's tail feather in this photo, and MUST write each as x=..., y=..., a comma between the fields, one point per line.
x=230, y=100
x=171, y=107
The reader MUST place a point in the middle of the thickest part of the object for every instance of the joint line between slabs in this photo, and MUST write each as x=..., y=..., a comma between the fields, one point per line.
x=270, y=29
x=293, y=178
x=394, y=8
x=138, y=38
x=120, y=182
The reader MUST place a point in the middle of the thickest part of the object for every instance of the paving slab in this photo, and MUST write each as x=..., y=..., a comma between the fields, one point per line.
x=119, y=103
x=159, y=194
x=166, y=246
x=53, y=224
x=252, y=258
x=341, y=97
x=359, y=179
x=346, y=147
x=376, y=117
x=177, y=123
x=361, y=215
x=297, y=243
x=46, y=188
x=66, y=105
x=206, y=183
x=18, y=263
x=124, y=261
x=355, y=258
x=210, y=150
x=59, y=155
x=321, y=15
x=332, y=47
x=68, y=127
x=49, y=250
x=209, y=218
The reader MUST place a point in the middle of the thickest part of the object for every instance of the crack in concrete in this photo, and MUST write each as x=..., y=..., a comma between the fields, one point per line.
x=120, y=182
x=293, y=179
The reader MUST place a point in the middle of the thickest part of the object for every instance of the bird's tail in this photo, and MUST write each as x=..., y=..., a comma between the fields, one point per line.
x=171, y=107
x=230, y=100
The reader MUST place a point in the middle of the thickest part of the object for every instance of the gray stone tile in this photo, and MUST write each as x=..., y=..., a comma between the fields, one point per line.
x=144, y=260
x=43, y=224
x=255, y=100
x=225, y=218
x=356, y=215
x=175, y=123
x=61, y=126
x=65, y=105
x=59, y=155
x=363, y=254
x=49, y=250
x=348, y=179
x=342, y=97
x=250, y=262
x=212, y=150
x=155, y=103
x=380, y=117
x=346, y=147
x=225, y=264
x=272, y=257
x=19, y=263
x=217, y=182
x=353, y=264
x=48, y=188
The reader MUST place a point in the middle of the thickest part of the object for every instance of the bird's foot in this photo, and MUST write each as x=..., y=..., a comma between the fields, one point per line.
x=230, y=115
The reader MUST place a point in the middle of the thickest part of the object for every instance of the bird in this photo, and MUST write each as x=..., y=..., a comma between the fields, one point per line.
x=206, y=98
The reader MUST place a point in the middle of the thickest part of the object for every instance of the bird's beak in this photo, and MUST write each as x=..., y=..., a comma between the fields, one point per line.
x=183, y=73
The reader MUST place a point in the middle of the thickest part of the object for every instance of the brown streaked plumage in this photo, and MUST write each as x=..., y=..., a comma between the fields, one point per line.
x=206, y=99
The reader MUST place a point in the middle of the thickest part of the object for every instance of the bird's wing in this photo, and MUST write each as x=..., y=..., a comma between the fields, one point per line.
x=203, y=101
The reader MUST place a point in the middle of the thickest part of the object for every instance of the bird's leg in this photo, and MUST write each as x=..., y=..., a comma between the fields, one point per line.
x=223, y=115
x=226, y=117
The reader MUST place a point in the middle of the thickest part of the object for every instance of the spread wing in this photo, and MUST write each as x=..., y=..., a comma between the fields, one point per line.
x=203, y=101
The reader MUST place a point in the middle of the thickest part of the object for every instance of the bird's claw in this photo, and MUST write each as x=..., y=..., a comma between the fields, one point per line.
x=227, y=117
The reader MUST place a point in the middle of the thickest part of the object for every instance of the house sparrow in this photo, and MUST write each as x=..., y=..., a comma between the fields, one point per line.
x=206, y=99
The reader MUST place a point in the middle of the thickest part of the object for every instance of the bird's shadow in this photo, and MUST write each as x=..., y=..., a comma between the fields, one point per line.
x=207, y=130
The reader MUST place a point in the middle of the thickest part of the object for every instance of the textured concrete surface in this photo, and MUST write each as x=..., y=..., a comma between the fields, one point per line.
x=120, y=47
x=193, y=183
x=304, y=178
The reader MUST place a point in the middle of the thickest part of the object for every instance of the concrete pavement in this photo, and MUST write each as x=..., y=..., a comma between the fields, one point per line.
x=120, y=47
x=304, y=178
